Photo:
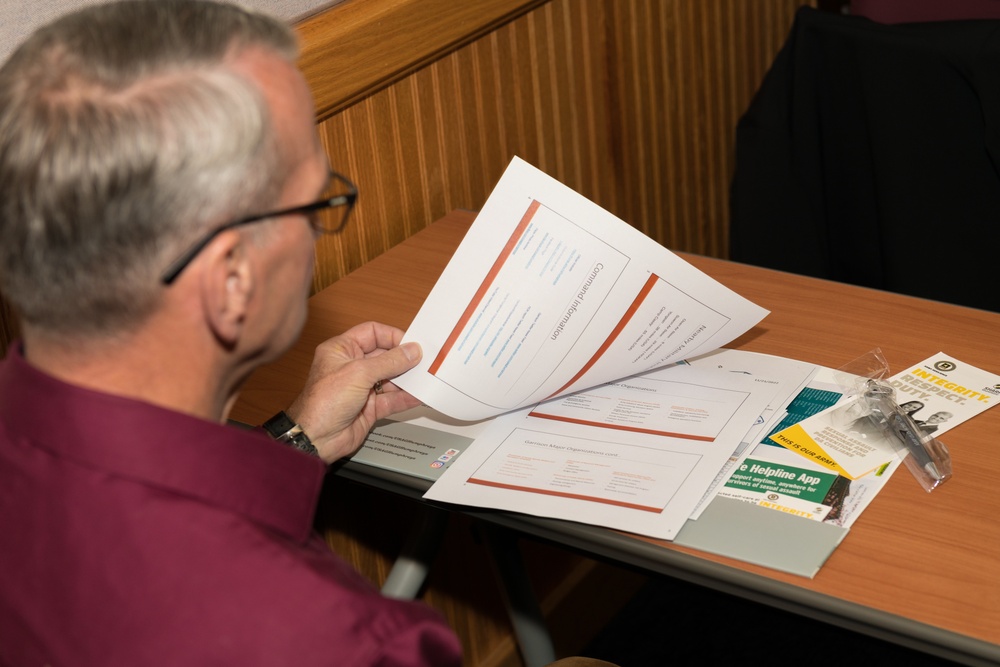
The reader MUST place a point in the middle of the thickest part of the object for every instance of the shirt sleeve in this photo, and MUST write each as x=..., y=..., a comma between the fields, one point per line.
x=423, y=645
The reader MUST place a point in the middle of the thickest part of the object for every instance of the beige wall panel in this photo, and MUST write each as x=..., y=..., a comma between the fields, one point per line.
x=441, y=138
x=681, y=73
x=632, y=103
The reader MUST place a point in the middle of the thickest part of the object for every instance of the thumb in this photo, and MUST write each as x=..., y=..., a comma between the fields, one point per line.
x=396, y=361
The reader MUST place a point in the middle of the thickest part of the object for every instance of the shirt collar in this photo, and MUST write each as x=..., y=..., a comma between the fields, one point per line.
x=235, y=469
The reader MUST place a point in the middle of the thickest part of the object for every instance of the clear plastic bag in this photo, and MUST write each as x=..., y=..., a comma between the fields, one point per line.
x=926, y=457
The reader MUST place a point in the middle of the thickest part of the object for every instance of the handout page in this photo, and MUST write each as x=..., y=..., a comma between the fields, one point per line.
x=634, y=455
x=549, y=294
x=787, y=377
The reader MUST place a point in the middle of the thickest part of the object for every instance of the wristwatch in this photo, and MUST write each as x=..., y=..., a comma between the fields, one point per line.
x=283, y=429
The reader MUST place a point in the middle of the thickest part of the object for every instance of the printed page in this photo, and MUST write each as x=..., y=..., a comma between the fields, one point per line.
x=787, y=376
x=635, y=455
x=549, y=294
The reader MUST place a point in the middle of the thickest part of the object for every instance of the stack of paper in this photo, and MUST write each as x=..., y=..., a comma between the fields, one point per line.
x=566, y=325
x=573, y=368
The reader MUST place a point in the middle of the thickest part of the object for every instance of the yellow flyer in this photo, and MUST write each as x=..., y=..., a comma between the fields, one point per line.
x=938, y=394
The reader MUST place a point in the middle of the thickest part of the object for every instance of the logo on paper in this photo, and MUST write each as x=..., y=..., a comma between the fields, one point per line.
x=437, y=464
x=944, y=366
x=448, y=456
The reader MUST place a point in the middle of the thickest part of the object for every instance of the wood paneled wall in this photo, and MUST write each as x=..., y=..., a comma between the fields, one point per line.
x=633, y=103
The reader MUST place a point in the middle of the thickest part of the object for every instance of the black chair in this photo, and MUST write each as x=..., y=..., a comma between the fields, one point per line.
x=871, y=155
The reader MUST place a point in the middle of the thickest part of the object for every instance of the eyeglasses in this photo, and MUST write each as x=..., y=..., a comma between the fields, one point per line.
x=321, y=224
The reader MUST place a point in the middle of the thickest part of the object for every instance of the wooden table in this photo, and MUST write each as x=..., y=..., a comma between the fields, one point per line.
x=916, y=568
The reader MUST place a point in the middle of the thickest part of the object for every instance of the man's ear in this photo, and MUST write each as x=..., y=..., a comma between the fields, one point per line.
x=227, y=286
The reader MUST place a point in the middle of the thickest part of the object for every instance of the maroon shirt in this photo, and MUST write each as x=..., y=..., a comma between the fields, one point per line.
x=134, y=535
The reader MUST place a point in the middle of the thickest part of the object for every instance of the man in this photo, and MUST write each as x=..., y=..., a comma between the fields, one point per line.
x=144, y=150
x=933, y=422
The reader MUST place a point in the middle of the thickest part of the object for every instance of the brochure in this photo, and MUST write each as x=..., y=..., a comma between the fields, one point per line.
x=782, y=480
x=938, y=394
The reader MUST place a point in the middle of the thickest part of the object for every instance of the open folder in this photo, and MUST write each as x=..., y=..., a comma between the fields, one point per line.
x=562, y=327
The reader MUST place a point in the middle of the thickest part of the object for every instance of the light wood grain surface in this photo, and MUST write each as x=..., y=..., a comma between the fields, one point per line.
x=632, y=103
x=931, y=558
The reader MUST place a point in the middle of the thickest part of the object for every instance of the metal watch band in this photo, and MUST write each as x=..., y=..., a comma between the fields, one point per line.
x=283, y=429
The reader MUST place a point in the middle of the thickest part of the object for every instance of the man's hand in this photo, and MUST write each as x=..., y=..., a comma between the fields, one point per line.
x=339, y=404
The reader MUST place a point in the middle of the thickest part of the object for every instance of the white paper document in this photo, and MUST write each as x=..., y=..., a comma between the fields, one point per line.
x=787, y=377
x=549, y=294
x=635, y=455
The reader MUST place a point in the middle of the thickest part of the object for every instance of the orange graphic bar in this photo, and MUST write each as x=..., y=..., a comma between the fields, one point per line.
x=629, y=314
x=484, y=288
x=563, y=494
x=623, y=427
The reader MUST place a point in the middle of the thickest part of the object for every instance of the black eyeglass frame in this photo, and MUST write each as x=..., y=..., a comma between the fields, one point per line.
x=348, y=199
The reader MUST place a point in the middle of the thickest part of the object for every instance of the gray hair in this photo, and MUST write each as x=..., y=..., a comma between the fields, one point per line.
x=123, y=134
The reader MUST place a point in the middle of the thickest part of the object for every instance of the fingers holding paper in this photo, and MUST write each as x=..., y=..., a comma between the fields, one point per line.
x=349, y=387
